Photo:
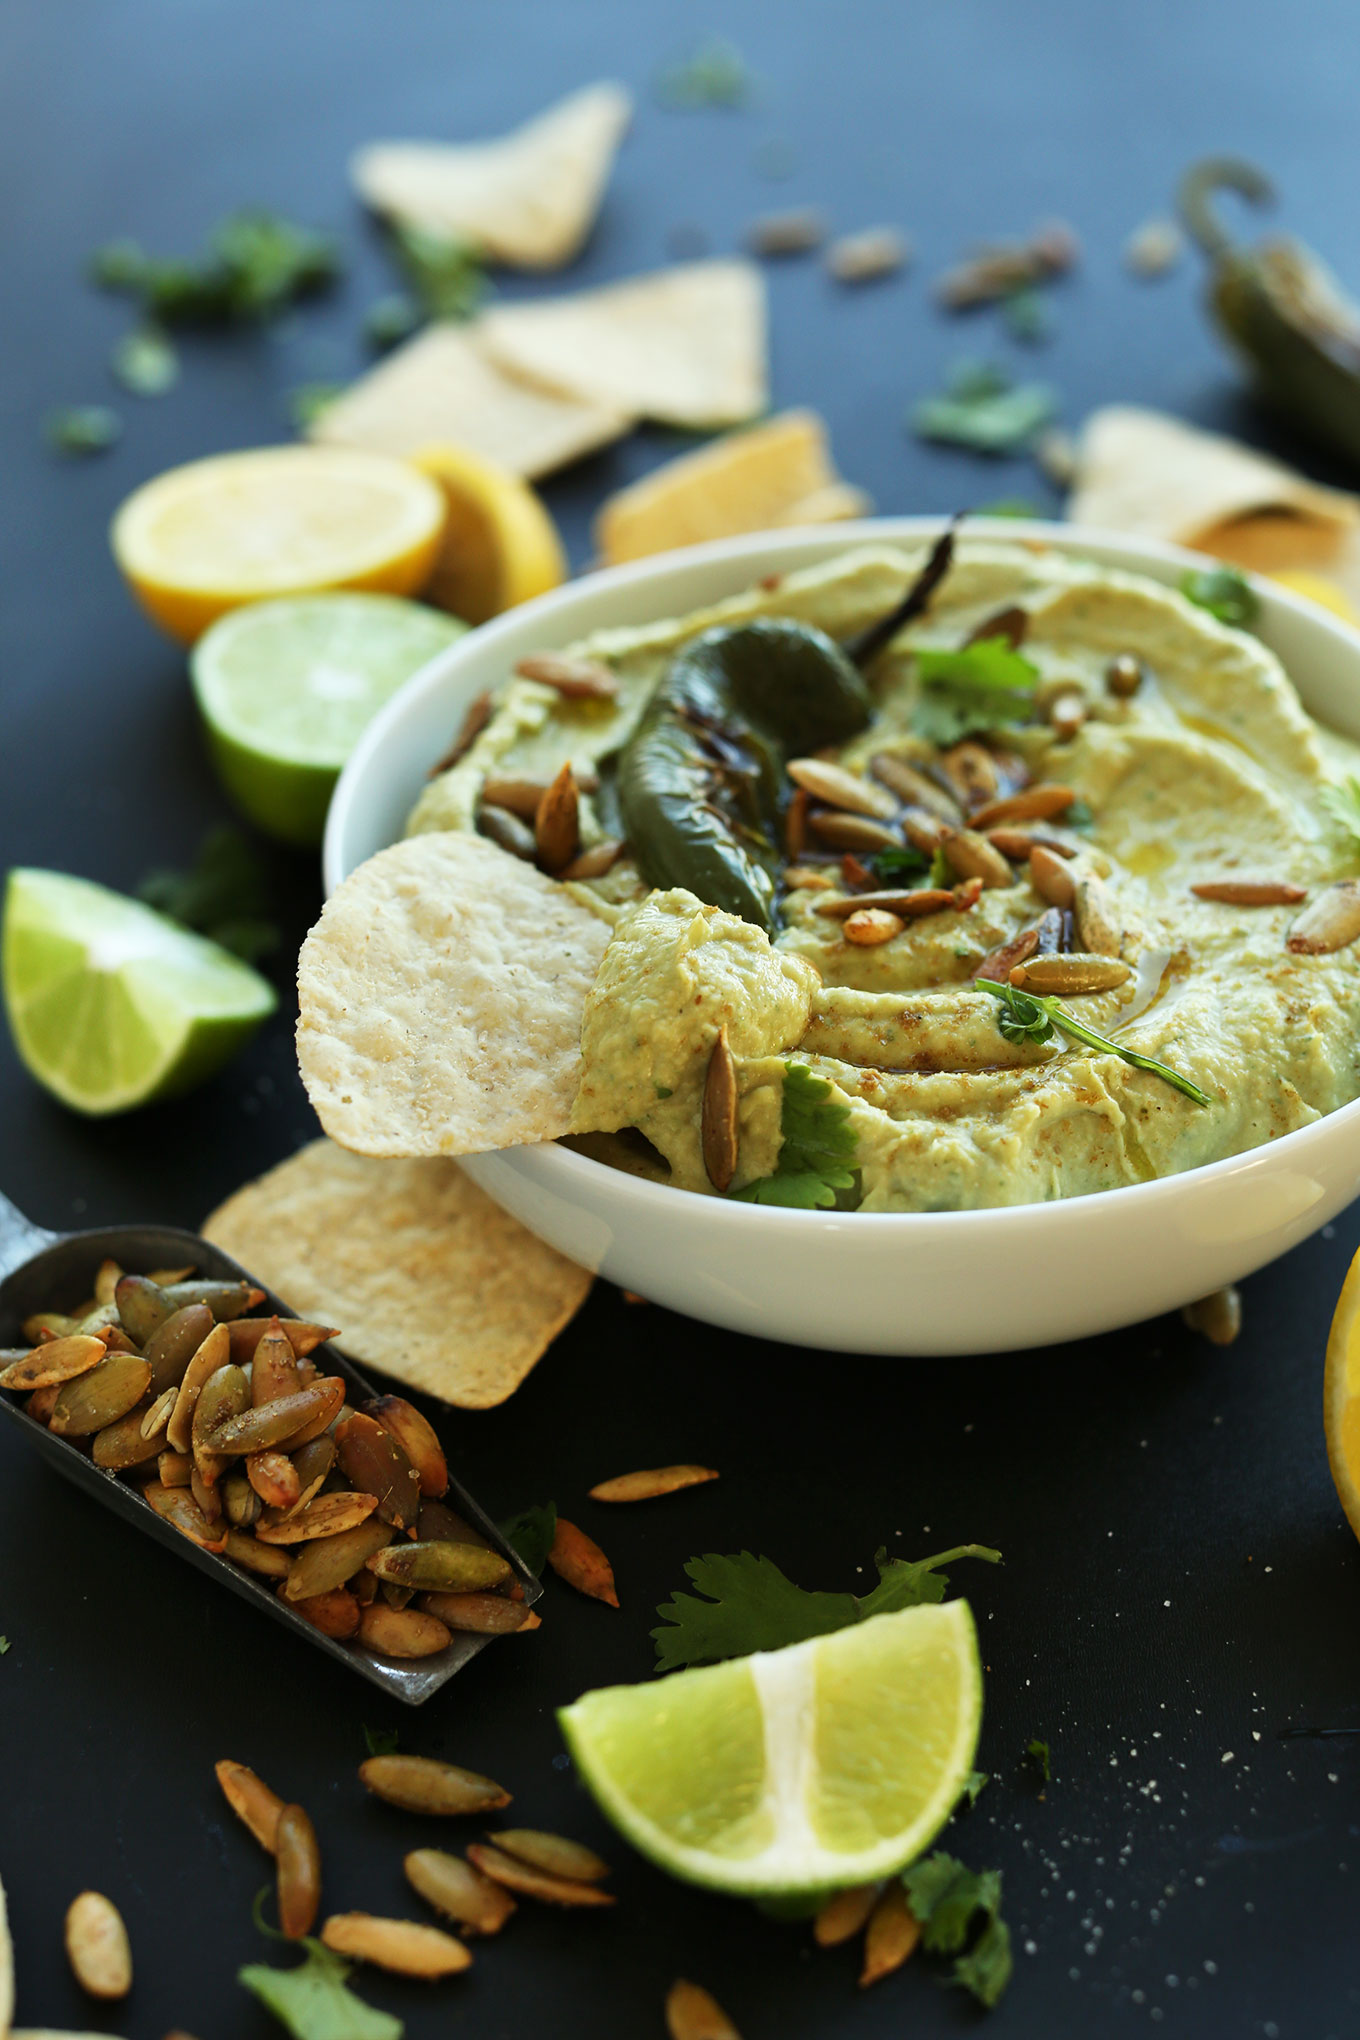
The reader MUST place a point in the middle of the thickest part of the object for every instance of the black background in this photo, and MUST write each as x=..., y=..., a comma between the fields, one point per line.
x=1179, y=1587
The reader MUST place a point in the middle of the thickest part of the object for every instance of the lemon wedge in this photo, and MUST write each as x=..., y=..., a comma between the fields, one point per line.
x=500, y=545
x=1341, y=1396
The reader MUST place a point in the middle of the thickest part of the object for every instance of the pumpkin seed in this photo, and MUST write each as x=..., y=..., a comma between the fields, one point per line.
x=556, y=1855
x=272, y=1423
x=215, y=1352
x=224, y=1395
x=401, y=1632
x=1329, y=922
x=246, y=1333
x=251, y=1800
x=395, y=1595
x=867, y=927
x=912, y=786
x=158, y=1414
x=335, y=1613
x=522, y=1877
x=42, y=1402
x=1001, y=961
x=49, y=1365
x=97, y=1946
x=692, y=2013
x=427, y=1785
x=718, y=1126
x=844, y=1913
x=1031, y=804
x=574, y=679
x=273, y=1367
x=478, y=715
x=372, y=1460
x=204, y=1492
x=892, y=1934
x=112, y=1387
x=851, y=832
x=106, y=1279
x=594, y=862
x=143, y=1306
x=265, y=1559
x=1239, y=892
x=970, y=772
x=519, y=796
x=298, y=1861
x=837, y=788
x=1018, y=845
x=178, y=1507
x=1051, y=931
x=458, y=1891
x=579, y=1561
x=406, y=1947
x=439, y=1567
x=1098, y=928
x=970, y=855
x=439, y=1521
x=274, y=1479
x=330, y=1561
x=1050, y=877
x=557, y=824
x=1068, y=976
x=652, y=1481
x=331, y=1411
x=52, y=1324
x=125, y=1443
x=173, y=1469
x=327, y=1516
x=171, y=1348
x=415, y=1437
x=312, y=1463
x=239, y=1499
x=226, y=1300
x=507, y=831
x=481, y=1614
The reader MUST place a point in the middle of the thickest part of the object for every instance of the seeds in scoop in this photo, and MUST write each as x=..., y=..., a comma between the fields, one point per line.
x=692, y=2013
x=912, y=786
x=439, y=1567
x=274, y=1479
x=1218, y=1317
x=1000, y=962
x=1069, y=975
x=838, y=788
x=870, y=926
x=1233, y=892
x=298, y=1862
x=656, y=1480
x=215, y=1352
x=174, y=1469
x=327, y=1516
x=273, y=1423
x=49, y=1365
x=481, y=1614
x=507, y=831
x=1031, y=804
x=312, y=1463
x=224, y=1395
x=1098, y=929
x=1051, y=878
x=394, y=1594
x=1328, y=923
x=125, y=1443
x=579, y=1561
x=970, y=855
x=594, y=862
x=246, y=1333
x=334, y=1614
x=401, y=1632
x=330, y=1561
x=406, y=1947
x=556, y=1855
x=1124, y=676
x=251, y=1800
x=171, y=1348
x=158, y=1415
x=574, y=679
x=1010, y=623
x=458, y=1891
x=851, y=832
x=224, y=1299
x=522, y=1877
x=112, y=1387
x=844, y=1913
x=557, y=824
x=97, y=1946
x=718, y=1130
x=267, y=1560
x=143, y=1306
x=426, y=1785
x=42, y=1402
x=242, y=1504
x=416, y=1438
x=106, y=1279
x=892, y=1935
x=273, y=1367
x=372, y=1459
x=205, y=1494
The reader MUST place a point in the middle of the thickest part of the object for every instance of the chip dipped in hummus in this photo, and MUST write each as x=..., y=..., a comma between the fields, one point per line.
x=922, y=884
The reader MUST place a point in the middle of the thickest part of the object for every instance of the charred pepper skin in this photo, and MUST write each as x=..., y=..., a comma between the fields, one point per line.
x=1281, y=310
x=701, y=783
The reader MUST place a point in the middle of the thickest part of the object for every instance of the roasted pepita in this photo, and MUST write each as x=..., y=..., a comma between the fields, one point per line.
x=416, y=1438
x=110, y=1388
x=53, y=1363
x=97, y=1946
x=892, y=1934
x=240, y=1500
x=406, y=1947
x=1068, y=976
x=524, y=1878
x=482, y=1614
x=125, y=1443
x=438, y=1567
x=594, y=862
x=170, y=1348
x=903, y=779
x=312, y=1463
x=555, y=1855
x=837, y=788
x=327, y=1516
x=1250, y=892
x=851, y=832
x=274, y=1478
x=1217, y=1317
x=719, y=1120
x=693, y=2013
x=1124, y=676
x=330, y=1561
x=142, y=1306
x=215, y=1352
x=1031, y=804
x=297, y=1861
x=273, y=1366
x=268, y=1560
x=335, y=1613
x=579, y=1561
x=970, y=770
x=970, y=855
x=507, y=831
x=268, y=1424
x=844, y=1914
x=1050, y=877
x=867, y=927
x=651, y=1482
x=251, y=1800
x=426, y=1785
x=1097, y=923
x=401, y=1632
x=158, y=1415
x=372, y=1459
x=557, y=824
x=1001, y=961
x=454, y=1888
x=574, y=679
x=1329, y=922
x=245, y=1335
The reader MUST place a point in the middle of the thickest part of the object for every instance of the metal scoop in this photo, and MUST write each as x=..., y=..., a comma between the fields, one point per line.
x=42, y=1270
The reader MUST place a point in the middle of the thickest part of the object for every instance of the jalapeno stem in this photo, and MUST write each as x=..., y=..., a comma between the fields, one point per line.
x=1201, y=180
x=864, y=647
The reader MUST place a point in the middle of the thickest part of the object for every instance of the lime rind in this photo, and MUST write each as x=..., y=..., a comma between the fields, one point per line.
x=830, y=1763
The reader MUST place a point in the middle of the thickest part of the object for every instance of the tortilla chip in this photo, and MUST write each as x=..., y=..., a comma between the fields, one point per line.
x=685, y=346
x=779, y=472
x=442, y=386
x=441, y=998
x=429, y=1280
x=528, y=198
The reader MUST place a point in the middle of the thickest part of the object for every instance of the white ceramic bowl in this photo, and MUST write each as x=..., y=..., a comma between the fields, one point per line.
x=910, y=1282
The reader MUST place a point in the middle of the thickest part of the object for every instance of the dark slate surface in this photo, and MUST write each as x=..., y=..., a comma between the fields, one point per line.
x=1179, y=1589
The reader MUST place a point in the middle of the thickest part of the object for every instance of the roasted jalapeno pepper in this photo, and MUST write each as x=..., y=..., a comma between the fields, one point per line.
x=701, y=787
x=1281, y=309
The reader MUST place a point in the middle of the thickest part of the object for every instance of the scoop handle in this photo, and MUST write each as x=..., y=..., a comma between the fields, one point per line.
x=20, y=1239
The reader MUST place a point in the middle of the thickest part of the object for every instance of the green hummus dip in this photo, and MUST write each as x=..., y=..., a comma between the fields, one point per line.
x=1210, y=771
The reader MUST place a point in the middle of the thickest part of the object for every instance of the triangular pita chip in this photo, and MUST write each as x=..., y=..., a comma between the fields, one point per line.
x=442, y=387
x=528, y=198
x=428, y=1279
x=685, y=346
x=779, y=472
x=441, y=996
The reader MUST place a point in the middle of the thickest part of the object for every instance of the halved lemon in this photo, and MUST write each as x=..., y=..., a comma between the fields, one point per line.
x=500, y=545
x=1318, y=588
x=1341, y=1396
x=829, y=1763
x=281, y=520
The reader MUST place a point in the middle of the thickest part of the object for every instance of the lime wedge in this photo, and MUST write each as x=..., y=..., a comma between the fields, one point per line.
x=833, y=1762
x=285, y=689
x=110, y=1004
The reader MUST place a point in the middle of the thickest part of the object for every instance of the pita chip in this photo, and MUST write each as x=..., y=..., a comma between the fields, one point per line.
x=685, y=346
x=528, y=199
x=429, y=1280
x=442, y=387
x=441, y=995
x=776, y=473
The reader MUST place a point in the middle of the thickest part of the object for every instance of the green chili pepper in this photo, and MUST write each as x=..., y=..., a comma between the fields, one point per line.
x=701, y=786
x=1281, y=309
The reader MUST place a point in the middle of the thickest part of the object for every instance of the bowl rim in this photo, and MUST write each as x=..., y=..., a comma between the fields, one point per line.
x=775, y=1219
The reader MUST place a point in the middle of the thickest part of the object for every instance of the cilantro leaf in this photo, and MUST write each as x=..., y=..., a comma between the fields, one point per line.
x=973, y=1784
x=1027, y=315
x=817, y=1151
x=947, y=1897
x=1038, y=1758
x=1341, y=804
x=145, y=362
x=976, y=687
x=982, y=409
x=255, y=265
x=992, y=662
x=381, y=1742
x=446, y=274
x=222, y=895
x=1225, y=593
x=530, y=1533
x=391, y=319
x=82, y=429
x=1035, y=1015
x=905, y=862
x=313, y=2001
x=308, y=400
x=749, y=1604
x=715, y=75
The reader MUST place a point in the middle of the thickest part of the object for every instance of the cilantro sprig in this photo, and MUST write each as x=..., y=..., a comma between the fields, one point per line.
x=313, y=2001
x=255, y=265
x=744, y=1603
x=960, y=1914
x=1225, y=593
x=530, y=1533
x=222, y=895
x=983, y=409
x=1034, y=1016
x=976, y=687
x=1341, y=804
x=817, y=1152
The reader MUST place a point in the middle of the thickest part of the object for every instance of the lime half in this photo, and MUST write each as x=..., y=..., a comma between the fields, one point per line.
x=110, y=1004
x=286, y=688
x=833, y=1762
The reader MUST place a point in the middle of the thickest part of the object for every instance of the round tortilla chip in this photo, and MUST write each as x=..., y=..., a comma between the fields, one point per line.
x=430, y=1282
x=441, y=996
